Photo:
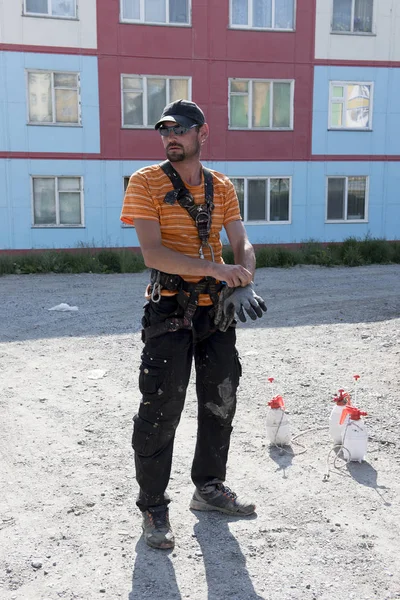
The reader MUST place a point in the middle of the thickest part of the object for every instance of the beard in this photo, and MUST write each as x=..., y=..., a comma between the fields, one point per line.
x=180, y=154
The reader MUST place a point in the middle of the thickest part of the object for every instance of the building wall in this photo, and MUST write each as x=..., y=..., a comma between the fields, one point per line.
x=384, y=139
x=103, y=194
x=383, y=44
x=19, y=29
x=102, y=152
x=211, y=53
x=16, y=135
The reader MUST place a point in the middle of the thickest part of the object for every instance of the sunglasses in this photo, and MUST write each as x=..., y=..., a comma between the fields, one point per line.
x=176, y=129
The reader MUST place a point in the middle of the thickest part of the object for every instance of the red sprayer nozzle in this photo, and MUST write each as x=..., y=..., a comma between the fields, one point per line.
x=277, y=402
x=342, y=398
x=354, y=414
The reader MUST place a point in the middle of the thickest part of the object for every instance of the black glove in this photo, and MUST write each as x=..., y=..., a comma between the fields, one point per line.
x=237, y=300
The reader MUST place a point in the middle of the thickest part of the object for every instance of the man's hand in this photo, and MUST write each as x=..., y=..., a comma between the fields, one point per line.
x=233, y=275
x=235, y=301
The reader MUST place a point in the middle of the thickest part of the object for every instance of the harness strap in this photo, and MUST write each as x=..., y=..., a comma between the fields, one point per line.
x=187, y=297
x=200, y=213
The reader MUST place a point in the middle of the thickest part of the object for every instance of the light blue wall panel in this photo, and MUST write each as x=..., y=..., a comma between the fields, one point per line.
x=103, y=195
x=384, y=139
x=17, y=135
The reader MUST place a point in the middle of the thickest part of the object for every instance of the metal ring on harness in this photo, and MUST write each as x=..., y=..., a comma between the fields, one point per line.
x=156, y=289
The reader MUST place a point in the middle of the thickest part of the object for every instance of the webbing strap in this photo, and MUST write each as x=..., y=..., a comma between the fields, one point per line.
x=200, y=213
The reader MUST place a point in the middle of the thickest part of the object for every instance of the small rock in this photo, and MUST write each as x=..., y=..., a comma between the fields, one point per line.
x=36, y=564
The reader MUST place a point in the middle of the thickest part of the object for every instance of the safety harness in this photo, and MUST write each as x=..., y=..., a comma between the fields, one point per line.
x=187, y=293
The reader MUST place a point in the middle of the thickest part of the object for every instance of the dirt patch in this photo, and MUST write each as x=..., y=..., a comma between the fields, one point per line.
x=69, y=527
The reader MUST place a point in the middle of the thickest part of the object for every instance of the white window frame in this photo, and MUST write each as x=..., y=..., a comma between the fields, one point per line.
x=268, y=178
x=250, y=18
x=145, y=79
x=48, y=15
x=333, y=100
x=352, y=32
x=167, y=23
x=250, y=94
x=346, y=199
x=58, y=225
x=53, y=99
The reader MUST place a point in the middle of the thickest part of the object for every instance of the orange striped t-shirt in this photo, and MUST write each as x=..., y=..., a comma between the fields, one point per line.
x=144, y=199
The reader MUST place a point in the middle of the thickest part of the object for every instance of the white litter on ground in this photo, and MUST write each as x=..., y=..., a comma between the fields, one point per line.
x=96, y=374
x=63, y=307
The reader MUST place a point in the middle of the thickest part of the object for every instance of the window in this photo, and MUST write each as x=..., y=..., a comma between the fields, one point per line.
x=262, y=14
x=350, y=105
x=144, y=97
x=57, y=201
x=53, y=98
x=264, y=199
x=169, y=12
x=64, y=9
x=352, y=16
x=260, y=104
x=347, y=198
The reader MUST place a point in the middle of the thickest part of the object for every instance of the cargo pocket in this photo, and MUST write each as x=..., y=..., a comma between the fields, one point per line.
x=145, y=437
x=153, y=374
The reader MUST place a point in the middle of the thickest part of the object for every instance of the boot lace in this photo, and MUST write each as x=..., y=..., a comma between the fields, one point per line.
x=226, y=491
x=159, y=517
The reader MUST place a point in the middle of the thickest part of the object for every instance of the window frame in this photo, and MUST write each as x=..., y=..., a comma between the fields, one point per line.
x=54, y=123
x=250, y=18
x=167, y=23
x=188, y=78
x=371, y=105
x=266, y=178
x=352, y=32
x=58, y=225
x=346, y=200
x=250, y=94
x=25, y=13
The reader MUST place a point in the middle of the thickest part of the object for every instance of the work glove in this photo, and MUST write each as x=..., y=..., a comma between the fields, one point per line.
x=235, y=301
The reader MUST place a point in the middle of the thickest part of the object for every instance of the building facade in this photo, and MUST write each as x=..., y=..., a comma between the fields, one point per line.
x=301, y=97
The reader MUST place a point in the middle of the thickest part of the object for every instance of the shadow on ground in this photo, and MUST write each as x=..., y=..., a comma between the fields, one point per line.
x=224, y=565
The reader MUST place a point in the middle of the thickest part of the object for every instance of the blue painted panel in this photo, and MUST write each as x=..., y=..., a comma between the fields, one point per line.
x=17, y=135
x=103, y=194
x=385, y=136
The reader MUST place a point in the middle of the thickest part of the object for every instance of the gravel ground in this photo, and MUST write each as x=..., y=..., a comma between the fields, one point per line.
x=69, y=527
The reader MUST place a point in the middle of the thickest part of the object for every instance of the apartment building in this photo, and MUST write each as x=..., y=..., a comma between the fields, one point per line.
x=301, y=97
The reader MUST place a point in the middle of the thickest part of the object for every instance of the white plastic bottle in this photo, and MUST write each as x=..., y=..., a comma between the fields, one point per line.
x=354, y=435
x=335, y=428
x=278, y=428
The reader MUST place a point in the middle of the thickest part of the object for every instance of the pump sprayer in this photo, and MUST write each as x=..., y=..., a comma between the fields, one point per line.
x=354, y=435
x=278, y=429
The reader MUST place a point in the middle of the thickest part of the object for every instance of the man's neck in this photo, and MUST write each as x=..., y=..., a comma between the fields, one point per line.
x=190, y=171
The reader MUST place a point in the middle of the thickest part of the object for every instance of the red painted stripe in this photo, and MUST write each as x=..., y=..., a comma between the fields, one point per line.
x=275, y=158
x=47, y=49
x=356, y=63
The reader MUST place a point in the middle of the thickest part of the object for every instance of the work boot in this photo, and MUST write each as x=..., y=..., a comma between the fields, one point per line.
x=157, y=529
x=219, y=497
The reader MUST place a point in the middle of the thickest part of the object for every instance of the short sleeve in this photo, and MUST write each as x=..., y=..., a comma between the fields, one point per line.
x=232, y=210
x=138, y=203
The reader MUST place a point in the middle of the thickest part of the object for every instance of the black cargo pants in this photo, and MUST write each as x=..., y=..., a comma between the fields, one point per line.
x=163, y=379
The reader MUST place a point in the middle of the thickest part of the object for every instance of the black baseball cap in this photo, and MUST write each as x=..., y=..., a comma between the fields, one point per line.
x=184, y=112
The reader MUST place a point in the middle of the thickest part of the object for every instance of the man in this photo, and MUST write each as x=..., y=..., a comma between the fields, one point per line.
x=179, y=209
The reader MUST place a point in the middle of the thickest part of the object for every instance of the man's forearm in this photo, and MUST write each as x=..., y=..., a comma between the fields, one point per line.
x=169, y=261
x=245, y=256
